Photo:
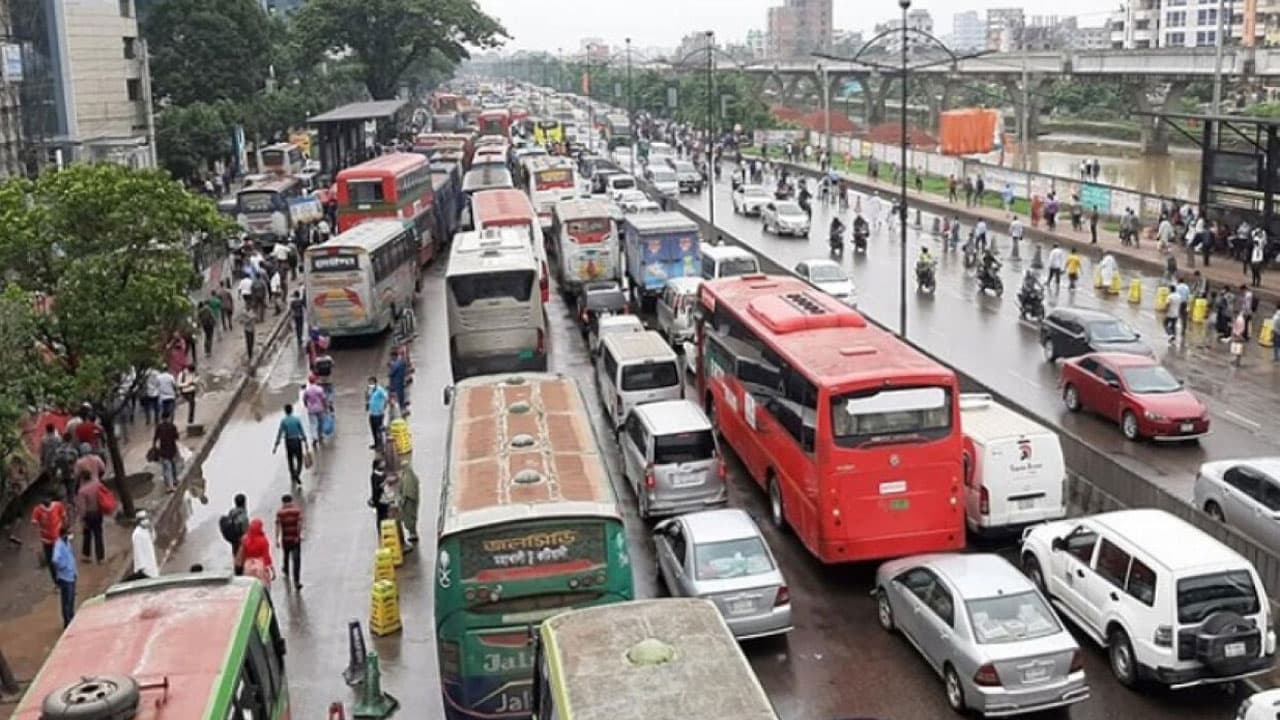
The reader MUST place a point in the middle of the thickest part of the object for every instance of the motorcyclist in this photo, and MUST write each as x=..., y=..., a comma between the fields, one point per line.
x=924, y=265
x=837, y=230
x=860, y=226
x=990, y=265
x=1030, y=284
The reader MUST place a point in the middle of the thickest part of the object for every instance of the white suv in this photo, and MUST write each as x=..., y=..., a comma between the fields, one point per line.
x=1170, y=603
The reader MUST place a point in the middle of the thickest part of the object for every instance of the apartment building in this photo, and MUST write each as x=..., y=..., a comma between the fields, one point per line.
x=799, y=28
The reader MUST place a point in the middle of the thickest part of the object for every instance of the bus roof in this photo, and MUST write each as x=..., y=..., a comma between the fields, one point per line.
x=487, y=177
x=389, y=164
x=177, y=628
x=272, y=184
x=582, y=209
x=495, y=112
x=522, y=447
x=830, y=341
x=661, y=222
x=486, y=251
x=499, y=205
x=707, y=675
x=365, y=236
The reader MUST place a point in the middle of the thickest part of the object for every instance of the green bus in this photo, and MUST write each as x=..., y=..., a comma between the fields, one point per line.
x=201, y=646
x=529, y=527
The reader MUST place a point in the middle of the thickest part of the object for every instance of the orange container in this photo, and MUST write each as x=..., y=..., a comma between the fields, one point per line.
x=968, y=131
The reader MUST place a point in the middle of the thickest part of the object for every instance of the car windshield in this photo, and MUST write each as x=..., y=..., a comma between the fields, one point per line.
x=826, y=273
x=1010, y=618
x=684, y=167
x=1150, y=380
x=650, y=376
x=789, y=208
x=1203, y=595
x=731, y=559
x=664, y=175
x=1110, y=331
x=732, y=267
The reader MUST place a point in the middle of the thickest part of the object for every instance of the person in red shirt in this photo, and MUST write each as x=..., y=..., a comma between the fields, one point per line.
x=255, y=553
x=289, y=538
x=87, y=431
x=49, y=516
x=90, y=463
x=91, y=516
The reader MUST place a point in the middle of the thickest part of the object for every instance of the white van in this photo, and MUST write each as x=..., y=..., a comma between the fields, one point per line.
x=633, y=369
x=496, y=318
x=1014, y=473
x=721, y=261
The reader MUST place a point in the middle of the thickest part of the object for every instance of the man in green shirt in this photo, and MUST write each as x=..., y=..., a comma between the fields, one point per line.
x=215, y=306
x=294, y=433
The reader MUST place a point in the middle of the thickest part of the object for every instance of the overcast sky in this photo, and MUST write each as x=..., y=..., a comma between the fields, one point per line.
x=552, y=24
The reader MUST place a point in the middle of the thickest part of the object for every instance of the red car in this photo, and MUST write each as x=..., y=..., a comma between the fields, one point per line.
x=1135, y=391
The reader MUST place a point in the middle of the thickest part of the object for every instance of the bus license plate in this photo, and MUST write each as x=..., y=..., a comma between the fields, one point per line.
x=1234, y=650
x=1188, y=427
x=741, y=607
x=899, y=504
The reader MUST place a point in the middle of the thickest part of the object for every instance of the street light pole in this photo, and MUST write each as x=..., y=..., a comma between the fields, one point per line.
x=826, y=109
x=711, y=193
x=631, y=114
x=902, y=172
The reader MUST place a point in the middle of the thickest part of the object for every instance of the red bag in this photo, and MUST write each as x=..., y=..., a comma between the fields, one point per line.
x=106, y=501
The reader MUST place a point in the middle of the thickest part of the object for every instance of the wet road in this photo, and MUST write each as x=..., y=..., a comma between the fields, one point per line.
x=984, y=337
x=836, y=663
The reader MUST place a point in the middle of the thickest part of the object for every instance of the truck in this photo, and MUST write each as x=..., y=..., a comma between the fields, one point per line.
x=618, y=129
x=658, y=247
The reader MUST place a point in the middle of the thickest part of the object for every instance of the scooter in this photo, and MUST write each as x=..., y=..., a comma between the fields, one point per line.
x=1031, y=303
x=860, y=239
x=990, y=280
x=836, y=241
x=925, y=279
x=970, y=254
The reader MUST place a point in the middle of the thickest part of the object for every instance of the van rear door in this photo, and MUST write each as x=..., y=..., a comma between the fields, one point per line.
x=1024, y=477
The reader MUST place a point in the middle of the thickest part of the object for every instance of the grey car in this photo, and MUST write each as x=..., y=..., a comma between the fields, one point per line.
x=720, y=555
x=785, y=218
x=1244, y=494
x=985, y=629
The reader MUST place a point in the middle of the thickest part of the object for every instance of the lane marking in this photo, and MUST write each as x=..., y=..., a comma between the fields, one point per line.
x=1239, y=419
x=1026, y=379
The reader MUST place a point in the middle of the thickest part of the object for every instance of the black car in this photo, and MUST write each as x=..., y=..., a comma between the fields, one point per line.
x=596, y=299
x=1069, y=332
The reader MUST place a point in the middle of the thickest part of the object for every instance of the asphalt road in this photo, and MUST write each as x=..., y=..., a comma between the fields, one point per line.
x=836, y=664
x=983, y=336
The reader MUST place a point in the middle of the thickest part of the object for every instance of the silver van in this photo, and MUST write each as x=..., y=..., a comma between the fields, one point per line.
x=633, y=369
x=670, y=458
x=674, y=309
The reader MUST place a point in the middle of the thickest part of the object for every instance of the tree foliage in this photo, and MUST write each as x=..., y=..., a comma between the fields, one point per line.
x=100, y=253
x=188, y=138
x=207, y=50
x=389, y=36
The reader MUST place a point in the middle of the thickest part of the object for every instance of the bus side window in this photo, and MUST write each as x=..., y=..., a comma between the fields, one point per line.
x=266, y=666
x=249, y=702
x=544, y=701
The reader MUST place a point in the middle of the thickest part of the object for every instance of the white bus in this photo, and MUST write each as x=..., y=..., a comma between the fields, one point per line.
x=357, y=280
x=497, y=321
x=550, y=181
x=585, y=243
x=283, y=159
x=669, y=658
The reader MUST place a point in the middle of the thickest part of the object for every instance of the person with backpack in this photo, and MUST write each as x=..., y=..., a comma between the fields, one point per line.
x=164, y=443
x=233, y=525
x=64, y=463
x=96, y=504
x=207, y=318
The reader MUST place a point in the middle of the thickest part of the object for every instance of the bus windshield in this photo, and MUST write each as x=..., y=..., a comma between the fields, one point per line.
x=516, y=285
x=260, y=201
x=891, y=415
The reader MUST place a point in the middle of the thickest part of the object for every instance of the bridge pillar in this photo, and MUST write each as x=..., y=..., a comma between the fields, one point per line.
x=1155, y=132
x=790, y=86
x=938, y=92
x=1034, y=95
x=875, y=93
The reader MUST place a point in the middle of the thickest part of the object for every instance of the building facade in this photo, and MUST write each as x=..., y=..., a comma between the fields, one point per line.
x=757, y=44
x=968, y=31
x=1002, y=28
x=799, y=28
x=1142, y=24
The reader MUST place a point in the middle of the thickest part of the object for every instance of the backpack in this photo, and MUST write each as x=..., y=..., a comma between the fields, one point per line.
x=227, y=526
x=106, y=501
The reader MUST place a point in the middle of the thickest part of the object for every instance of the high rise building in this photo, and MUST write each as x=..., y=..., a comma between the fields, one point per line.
x=692, y=48
x=969, y=33
x=1002, y=25
x=1178, y=23
x=757, y=45
x=799, y=28
x=916, y=20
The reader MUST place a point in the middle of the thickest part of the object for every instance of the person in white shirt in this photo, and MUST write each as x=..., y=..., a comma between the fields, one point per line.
x=323, y=228
x=245, y=290
x=166, y=392
x=145, y=564
x=1057, y=263
x=980, y=235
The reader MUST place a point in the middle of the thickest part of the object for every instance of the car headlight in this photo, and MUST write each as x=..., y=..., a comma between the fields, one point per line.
x=1154, y=415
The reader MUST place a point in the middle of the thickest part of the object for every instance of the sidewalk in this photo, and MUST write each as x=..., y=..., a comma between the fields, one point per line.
x=1222, y=270
x=30, y=621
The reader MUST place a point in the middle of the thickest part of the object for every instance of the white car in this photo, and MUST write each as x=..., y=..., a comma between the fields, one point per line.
x=829, y=277
x=749, y=199
x=664, y=180
x=784, y=217
x=1260, y=706
x=613, y=325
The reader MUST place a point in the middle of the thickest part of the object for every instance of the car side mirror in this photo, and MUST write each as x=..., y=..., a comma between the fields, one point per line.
x=448, y=394
x=664, y=527
x=1058, y=544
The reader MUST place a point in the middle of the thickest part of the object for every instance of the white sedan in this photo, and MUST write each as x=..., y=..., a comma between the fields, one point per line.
x=749, y=199
x=784, y=217
x=829, y=277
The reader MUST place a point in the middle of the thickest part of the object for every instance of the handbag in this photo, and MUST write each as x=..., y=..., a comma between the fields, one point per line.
x=307, y=460
x=1237, y=347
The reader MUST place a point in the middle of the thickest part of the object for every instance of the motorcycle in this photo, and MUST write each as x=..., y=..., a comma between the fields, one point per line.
x=990, y=280
x=925, y=279
x=970, y=254
x=860, y=234
x=1031, y=303
x=836, y=240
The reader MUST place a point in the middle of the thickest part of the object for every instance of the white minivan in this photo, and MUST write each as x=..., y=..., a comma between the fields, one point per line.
x=1014, y=473
x=722, y=261
x=633, y=369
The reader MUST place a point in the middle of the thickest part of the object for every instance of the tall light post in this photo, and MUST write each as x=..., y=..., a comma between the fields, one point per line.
x=902, y=173
x=711, y=125
x=631, y=113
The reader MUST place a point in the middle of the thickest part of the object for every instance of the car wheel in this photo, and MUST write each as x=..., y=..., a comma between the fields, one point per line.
x=777, y=511
x=1071, y=398
x=1129, y=425
x=884, y=611
x=1050, y=350
x=1212, y=509
x=1120, y=652
x=1031, y=568
x=955, y=691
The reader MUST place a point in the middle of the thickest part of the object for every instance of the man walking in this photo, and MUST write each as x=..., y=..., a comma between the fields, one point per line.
x=1093, y=226
x=397, y=377
x=166, y=391
x=375, y=404
x=208, y=323
x=297, y=310
x=145, y=564
x=49, y=516
x=63, y=562
x=1016, y=231
x=289, y=539
x=410, y=494
x=234, y=525
x=89, y=499
x=294, y=434
x=165, y=444
x=1057, y=263
x=1172, y=312
x=317, y=405
x=227, y=307
x=248, y=322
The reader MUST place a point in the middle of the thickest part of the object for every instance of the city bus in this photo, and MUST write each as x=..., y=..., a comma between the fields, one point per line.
x=509, y=208
x=263, y=208
x=496, y=122
x=395, y=185
x=667, y=658
x=548, y=132
x=854, y=435
x=550, y=181
x=529, y=527
x=283, y=159
x=584, y=243
x=203, y=646
x=357, y=280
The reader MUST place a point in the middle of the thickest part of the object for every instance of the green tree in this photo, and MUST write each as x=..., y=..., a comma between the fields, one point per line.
x=207, y=50
x=389, y=36
x=101, y=251
x=189, y=137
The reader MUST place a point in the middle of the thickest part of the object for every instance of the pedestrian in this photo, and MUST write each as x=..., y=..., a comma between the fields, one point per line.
x=227, y=306
x=280, y=253
x=1222, y=314
x=1108, y=269
x=979, y=187
x=410, y=496
x=1275, y=336
x=289, y=539
x=208, y=324
x=65, y=462
x=317, y=405
x=952, y=186
x=50, y=516
x=164, y=443
x=1257, y=258
x=1057, y=263
x=276, y=288
x=375, y=403
x=145, y=564
x=63, y=562
x=1006, y=196
x=1184, y=307
x=233, y=525
x=177, y=353
x=89, y=462
x=1164, y=234
x=1248, y=306
x=980, y=235
x=90, y=499
x=86, y=430
x=1072, y=266
x=397, y=375
x=50, y=443
x=1239, y=335
x=1093, y=226
x=968, y=191
x=294, y=434
x=297, y=310
x=377, y=494
x=1016, y=231
x=254, y=555
x=166, y=391
x=1172, y=312
x=249, y=323
x=188, y=384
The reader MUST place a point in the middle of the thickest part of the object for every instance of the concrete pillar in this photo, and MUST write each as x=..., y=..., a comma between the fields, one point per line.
x=1034, y=96
x=939, y=91
x=877, y=91
x=1155, y=132
x=790, y=87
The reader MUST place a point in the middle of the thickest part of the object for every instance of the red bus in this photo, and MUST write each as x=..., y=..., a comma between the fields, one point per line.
x=395, y=185
x=854, y=434
x=496, y=122
x=443, y=103
x=510, y=208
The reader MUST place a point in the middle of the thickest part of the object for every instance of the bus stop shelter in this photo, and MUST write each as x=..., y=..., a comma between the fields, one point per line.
x=349, y=134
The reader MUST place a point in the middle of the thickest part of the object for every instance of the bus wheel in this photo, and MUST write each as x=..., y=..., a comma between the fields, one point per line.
x=777, y=512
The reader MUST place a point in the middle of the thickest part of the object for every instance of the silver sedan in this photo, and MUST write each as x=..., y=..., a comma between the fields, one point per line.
x=720, y=555
x=984, y=628
x=1244, y=494
x=784, y=217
